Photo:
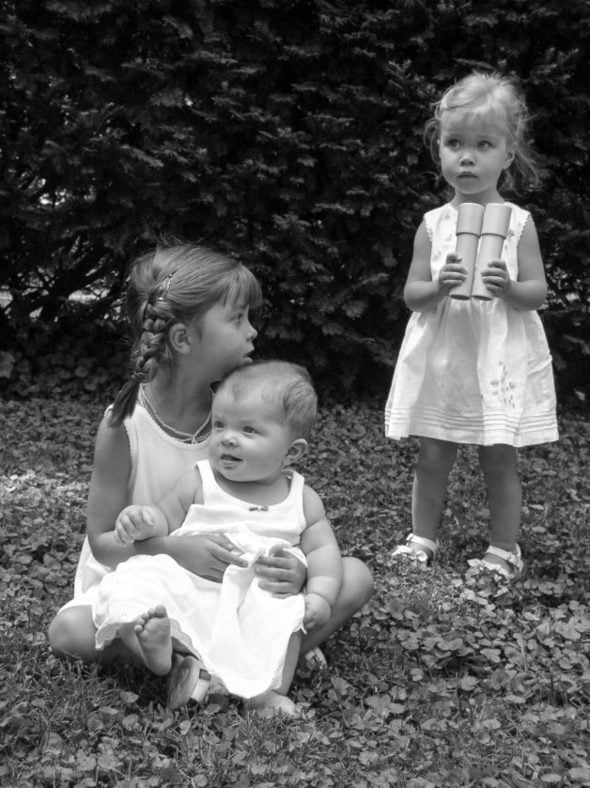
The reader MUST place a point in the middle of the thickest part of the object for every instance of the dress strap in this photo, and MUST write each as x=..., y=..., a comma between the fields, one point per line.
x=210, y=486
x=520, y=217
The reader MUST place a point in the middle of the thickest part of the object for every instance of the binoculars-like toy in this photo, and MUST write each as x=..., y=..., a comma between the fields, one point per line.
x=480, y=237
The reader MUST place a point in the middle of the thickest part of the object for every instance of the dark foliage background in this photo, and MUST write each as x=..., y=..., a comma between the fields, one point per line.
x=288, y=132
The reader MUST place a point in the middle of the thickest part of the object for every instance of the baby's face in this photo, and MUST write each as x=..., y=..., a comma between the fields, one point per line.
x=248, y=443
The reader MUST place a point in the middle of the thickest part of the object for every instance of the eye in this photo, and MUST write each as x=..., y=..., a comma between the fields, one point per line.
x=249, y=430
x=485, y=144
x=217, y=425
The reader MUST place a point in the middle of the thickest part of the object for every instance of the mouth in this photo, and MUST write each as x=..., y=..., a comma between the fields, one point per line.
x=467, y=175
x=229, y=460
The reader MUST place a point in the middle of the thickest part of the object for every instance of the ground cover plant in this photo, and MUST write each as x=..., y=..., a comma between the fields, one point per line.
x=437, y=682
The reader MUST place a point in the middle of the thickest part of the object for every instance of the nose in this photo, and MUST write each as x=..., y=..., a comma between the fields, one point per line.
x=251, y=332
x=466, y=157
x=228, y=439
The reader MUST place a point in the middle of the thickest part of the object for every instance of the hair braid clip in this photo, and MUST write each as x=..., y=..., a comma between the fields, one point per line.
x=165, y=287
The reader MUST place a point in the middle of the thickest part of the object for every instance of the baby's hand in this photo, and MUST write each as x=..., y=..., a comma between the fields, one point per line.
x=496, y=277
x=453, y=273
x=134, y=524
x=280, y=573
x=317, y=612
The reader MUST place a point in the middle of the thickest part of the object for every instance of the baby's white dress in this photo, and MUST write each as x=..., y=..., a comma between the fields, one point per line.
x=240, y=631
x=472, y=371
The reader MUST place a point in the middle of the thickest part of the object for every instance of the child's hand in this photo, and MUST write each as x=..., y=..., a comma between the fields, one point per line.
x=496, y=278
x=452, y=274
x=281, y=573
x=134, y=524
x=317, y=612
x=206, y=555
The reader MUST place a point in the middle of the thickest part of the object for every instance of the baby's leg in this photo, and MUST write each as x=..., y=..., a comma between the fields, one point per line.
x=277, y=699
x=148, y=637
x=356, y=590
x=498, y=464
x=435, y=460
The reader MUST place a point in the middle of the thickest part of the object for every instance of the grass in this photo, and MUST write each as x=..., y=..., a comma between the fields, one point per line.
x=437, y=682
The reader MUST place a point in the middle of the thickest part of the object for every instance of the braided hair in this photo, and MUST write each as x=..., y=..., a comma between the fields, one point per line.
x=174, y=284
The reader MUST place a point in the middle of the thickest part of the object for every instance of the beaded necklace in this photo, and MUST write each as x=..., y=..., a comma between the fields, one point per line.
x=184, y=437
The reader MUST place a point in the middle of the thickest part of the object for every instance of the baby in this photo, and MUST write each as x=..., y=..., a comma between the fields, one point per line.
x=248, y=639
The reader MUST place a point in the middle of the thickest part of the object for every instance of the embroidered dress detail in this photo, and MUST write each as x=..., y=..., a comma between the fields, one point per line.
x=473, y=371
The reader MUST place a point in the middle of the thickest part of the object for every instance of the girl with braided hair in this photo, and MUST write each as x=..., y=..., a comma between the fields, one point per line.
x=188, y=308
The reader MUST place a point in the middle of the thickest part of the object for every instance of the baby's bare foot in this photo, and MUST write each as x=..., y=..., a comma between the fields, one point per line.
x=274, y=702
x=153, y=635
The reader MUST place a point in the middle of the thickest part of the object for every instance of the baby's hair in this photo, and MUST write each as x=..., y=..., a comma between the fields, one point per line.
x=286, y=385
x=175, y=284
x=498, y=99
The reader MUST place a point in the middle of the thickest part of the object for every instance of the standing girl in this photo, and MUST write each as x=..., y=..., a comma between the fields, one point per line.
x=189, y=313
x=474, y=371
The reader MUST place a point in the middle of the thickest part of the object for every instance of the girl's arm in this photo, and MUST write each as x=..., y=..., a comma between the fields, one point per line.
x=324, y=562
x=108, y=493
x=420, y=292
x=530, y=291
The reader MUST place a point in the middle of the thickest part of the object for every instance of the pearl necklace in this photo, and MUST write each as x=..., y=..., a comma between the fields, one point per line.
x=184, y=437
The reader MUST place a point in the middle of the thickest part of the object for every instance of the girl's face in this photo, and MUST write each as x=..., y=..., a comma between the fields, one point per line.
x=223, y=339
x=473, y=152
x=248, y=443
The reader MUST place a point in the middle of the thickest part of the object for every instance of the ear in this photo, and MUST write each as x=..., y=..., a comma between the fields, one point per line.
x=509, y=159
x=296, y=451
x=180, y=338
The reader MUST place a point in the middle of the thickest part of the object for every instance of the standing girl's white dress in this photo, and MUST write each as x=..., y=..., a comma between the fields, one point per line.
x=240, y=631
x=473, y=371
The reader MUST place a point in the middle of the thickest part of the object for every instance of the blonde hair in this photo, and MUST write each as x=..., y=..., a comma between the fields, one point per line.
x=286, y=385
x=174, y=284
x=495, y=98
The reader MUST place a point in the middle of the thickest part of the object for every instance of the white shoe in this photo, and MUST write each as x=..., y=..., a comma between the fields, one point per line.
x=417, y=548
x=188, y=680
x=315, y=659
x=514, y=563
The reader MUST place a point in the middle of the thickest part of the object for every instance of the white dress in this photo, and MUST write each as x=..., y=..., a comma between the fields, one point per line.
x=157, y=460
x=473, y=371
x=240, y=631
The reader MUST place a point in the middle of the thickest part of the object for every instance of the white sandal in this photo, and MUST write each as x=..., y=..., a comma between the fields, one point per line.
x=514, y=561
x=188, y=680
x=315, y=660
x=418, y=548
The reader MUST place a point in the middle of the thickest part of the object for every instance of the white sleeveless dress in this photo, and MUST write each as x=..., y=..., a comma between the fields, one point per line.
x=157, y=461
x=239, y=631
x=476, y=372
